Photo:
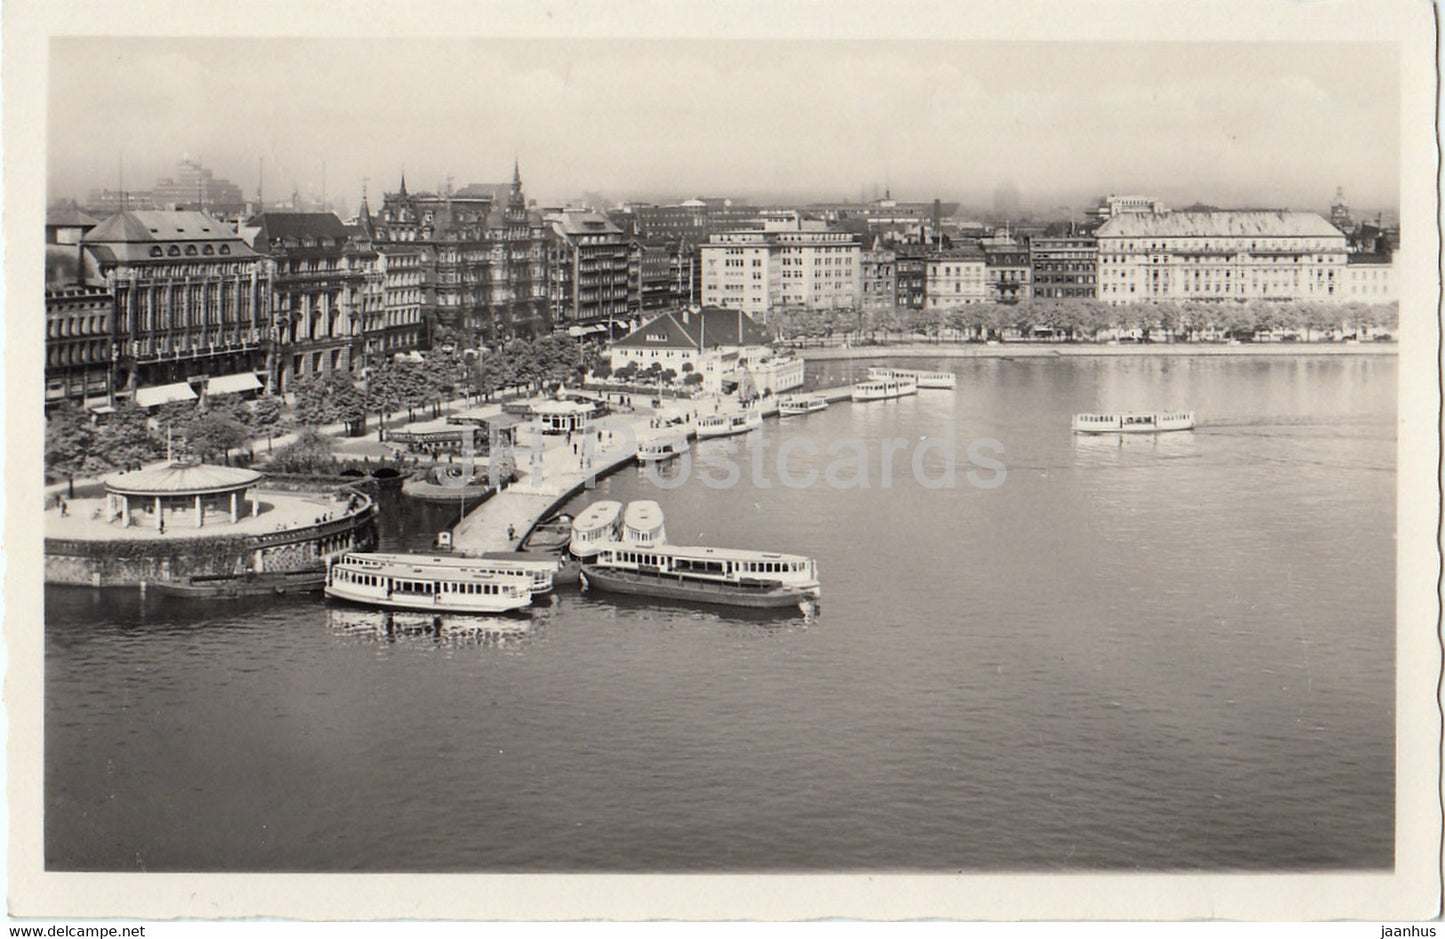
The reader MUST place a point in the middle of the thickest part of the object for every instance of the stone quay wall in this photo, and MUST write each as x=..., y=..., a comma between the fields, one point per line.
x=131, y=563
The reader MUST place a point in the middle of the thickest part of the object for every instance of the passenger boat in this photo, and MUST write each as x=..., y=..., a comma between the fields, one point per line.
x=596, y=526
x=883, y=388
x=416, y=582
x=664, y=447
x=722, y=576
x=943, y=380
x=540, y=569
x=1133, y=423
x=725, y=425
x=642, y=524
x=551, y=535
x=801, y=404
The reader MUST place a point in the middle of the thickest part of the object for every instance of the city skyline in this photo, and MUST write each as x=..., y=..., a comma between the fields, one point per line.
x=820, y=120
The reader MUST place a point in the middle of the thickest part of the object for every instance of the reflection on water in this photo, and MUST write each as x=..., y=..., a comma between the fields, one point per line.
x=460, y=628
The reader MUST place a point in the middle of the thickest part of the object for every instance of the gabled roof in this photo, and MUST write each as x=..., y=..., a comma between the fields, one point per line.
x=712, y=326
x=69, y=217
x=1222, y=224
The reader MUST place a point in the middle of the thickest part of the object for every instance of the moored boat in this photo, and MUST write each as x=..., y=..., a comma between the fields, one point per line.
x=597, y=525
x=801, y=404
x=1133, y=423
x=881, y=389
x=429, y=584
x=662, y=447
x=249, y=584
x=642, y=524
x=941, y=380
x=725, y=425
x=722, y=576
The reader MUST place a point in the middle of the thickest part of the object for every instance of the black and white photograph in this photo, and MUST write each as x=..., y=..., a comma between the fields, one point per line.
x=882, y=461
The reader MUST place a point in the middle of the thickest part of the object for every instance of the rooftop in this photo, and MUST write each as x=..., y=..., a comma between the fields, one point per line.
x=1220, y=224
x=182, y=479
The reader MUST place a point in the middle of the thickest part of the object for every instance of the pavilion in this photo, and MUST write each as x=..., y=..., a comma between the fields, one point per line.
x=180, y=486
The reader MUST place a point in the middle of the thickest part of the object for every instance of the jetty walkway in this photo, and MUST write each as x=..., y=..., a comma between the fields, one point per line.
x=552, y=472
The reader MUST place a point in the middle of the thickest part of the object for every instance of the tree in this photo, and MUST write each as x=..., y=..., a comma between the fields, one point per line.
x=692, y=380
x=69, y=442
x=212, y=434
x=266, y=413
x=126, y=437
x=668, y=376
x=309, y=453
x=329, y=398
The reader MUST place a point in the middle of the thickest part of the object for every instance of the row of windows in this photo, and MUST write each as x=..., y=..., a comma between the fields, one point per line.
x=174, y=251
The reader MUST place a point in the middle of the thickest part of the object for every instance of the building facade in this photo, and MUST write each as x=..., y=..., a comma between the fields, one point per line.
x=485, y=267
x=794, y=263
x=1065, y=266
x=192, y=299
x=911, y=276
x=588, y=265
x=1219, y=255
x=878, y=277
x=80, y=345
x=956, y=277
x=711, y=342
x=318, y=292
x=1370, y=278
x=1008, y=271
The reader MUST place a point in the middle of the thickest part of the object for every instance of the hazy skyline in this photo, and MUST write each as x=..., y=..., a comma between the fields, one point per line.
x=1278, y=124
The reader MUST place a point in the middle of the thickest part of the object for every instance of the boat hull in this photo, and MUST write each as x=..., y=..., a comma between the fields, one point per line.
x=279, y=583
x=428, y=603
x=1133, y=424
x=671, y=587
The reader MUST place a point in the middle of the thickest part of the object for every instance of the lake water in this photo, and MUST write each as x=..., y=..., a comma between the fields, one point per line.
x=1141, y=654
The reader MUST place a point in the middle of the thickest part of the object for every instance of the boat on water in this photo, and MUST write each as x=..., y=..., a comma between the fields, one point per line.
x=595, y=527
x=801, y=404
x=1133, y=423
x=725, y=425
x=249, y=584
x=720, y=576
x=941, y=380
x=550, y=535
x=664, y=447
x=428, y=584
x=642, y=524
x=881, y=389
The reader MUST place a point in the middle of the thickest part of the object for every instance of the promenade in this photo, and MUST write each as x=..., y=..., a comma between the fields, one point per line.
x=1044, y=350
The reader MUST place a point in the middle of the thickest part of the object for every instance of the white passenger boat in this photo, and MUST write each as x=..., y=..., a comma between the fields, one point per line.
x=883, y=388
x=418, y=582
x=597, y=525
x=1133, y=423
x=662, y=447
x=725, y=425
x=942, y=380
x=801, y=404
x=642, y=524
x=724, y=576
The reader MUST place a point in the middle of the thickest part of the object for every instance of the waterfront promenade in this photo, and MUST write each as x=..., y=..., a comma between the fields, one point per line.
x=1043, y=350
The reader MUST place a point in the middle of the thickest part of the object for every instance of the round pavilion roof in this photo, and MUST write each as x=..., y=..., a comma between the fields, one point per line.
x=181, y=479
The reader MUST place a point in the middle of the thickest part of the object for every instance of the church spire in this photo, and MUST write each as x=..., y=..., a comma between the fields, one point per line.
x=403, y=183
x=516, y=173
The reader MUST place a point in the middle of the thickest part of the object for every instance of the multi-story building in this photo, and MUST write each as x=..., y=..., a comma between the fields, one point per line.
x=197, y=188
x=368, y=347
x=1369, y=278
x=878, y=274
x=1066, y=266
x=1112, y=206
x=786, y=263
x=404, y=266
x=485, y=270
x=192, y=300
x=650, y=286
x=318, y=292
x=1219, y=255
x=80, y=345
x=1007, y=268
x=956, y=277
x=911, y=276
x=588, y=270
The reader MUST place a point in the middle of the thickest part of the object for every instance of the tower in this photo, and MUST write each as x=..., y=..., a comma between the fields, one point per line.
x=1340, y=211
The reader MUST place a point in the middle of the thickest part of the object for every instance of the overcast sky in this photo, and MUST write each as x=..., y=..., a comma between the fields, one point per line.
x=1228, y=123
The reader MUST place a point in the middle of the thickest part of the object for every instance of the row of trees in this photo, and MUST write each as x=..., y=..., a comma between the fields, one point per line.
x=1075, y=319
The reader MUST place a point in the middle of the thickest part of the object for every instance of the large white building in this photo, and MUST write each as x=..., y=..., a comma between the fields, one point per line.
x=1370, y=278
x=798, y=263
x=955, y=278
x=711, y=342
x=1237, y=255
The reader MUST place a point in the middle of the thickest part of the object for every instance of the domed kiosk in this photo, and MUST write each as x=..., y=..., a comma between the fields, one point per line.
x=181, y=487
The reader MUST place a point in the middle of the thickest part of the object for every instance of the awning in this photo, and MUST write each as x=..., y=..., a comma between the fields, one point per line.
x=232, y=384
x=594, y=329
x=164, y=394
